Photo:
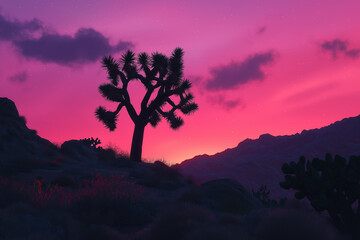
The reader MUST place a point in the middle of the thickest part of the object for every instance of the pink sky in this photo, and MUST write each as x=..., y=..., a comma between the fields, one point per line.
x=276, y=67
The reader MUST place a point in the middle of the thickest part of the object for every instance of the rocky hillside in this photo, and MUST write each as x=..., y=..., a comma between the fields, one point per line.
x=257, y=162
x=81, y=191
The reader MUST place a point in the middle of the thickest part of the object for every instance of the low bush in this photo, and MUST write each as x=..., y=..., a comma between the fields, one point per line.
x=159, y=175
x=64, y=180
x=13, y=192
x=263, y=194
x=179, y=220
x=284, y=224
x=97, y=186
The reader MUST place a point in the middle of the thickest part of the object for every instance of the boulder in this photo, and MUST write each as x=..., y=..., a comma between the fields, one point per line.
x=226, y=195
x=79, y=150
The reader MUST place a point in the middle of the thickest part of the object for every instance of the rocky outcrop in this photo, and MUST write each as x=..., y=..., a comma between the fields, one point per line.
x=19, y=144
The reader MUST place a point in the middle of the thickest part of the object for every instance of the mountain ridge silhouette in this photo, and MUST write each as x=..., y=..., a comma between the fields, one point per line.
x=255, y=162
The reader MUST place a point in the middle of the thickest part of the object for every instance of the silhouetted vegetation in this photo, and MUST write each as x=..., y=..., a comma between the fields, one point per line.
x=84, y=191
x=285, y=224
x=330, y=185
x=263, y=195
x=93, y=143
x=163, y=81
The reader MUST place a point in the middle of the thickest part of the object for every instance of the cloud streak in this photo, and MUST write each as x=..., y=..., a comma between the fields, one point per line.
x=225, y=103
x=239, y=73
x=340, y=47
x=20, y=77
x=16, y=30
x=87, y=45
x=261, y=30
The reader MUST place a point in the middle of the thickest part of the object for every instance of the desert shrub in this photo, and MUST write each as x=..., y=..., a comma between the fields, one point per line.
x=107, y=200
x=293, y=224
x=50, y=195
x=23, y=221
x=112, y=156
x=64, y=180
x=111, y=186
x=96, y=232
x=159, y=175
x=225, y=195
x=110, y=200
x=118, y=212
x=179, y=220
x=123, y=160
x=97, y=186
x=12, y=192
x=93, y=143
x=217, y=232
x=263, y=193
x=107, y=155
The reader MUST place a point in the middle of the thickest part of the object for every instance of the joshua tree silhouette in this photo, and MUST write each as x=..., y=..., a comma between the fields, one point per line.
x=163, y=81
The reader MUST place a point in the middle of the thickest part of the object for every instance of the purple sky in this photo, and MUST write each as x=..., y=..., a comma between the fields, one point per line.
x=257, y=67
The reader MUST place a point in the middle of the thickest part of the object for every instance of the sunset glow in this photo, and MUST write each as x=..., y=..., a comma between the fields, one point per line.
x=257, y=67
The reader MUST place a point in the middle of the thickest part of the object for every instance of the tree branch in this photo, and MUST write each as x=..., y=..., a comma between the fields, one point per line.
x=146, y=98
x=129, y=107
x=123, y=77
x=170, y=102
x=118, y=109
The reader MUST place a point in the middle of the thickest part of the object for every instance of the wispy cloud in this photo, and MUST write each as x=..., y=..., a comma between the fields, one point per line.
x=340, y=47
x=225, y=103
x=310, y=92
x=261, y=30
x=87, y=45
x=239, y=73
x=32, y=41
x=20, y=77
x=16, y=30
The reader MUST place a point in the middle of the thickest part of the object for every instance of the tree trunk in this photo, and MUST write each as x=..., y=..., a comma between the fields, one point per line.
x=137, y=141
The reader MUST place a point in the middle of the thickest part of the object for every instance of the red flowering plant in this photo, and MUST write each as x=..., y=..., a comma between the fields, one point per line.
x=112, y=186
x=44, y=195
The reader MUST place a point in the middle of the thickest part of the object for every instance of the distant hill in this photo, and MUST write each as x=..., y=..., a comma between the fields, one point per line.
x=258, y=162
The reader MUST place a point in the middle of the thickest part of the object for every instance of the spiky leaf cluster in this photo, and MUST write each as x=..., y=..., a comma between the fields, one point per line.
x=107, y=117
x=154, y=119
x=143, y=60
x=189, y=108
x=175, y=121
x=112, y=68
x=111, y=92
x=129, y=67
x=176, y=67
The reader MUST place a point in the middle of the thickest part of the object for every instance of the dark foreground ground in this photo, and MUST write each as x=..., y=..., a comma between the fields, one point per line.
x=80, y=191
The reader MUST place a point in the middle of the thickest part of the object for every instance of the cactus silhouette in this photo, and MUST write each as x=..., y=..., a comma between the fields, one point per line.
x=331, y=184
x=163, y=80
x=93, y=143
